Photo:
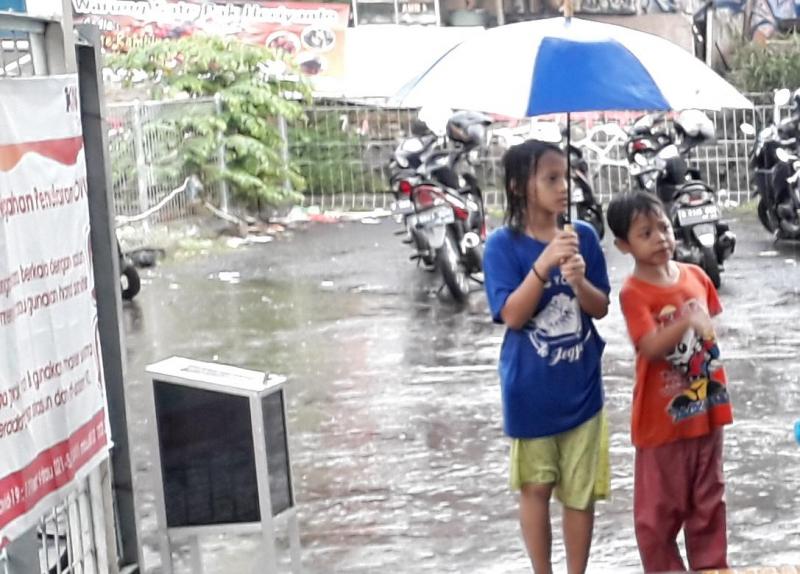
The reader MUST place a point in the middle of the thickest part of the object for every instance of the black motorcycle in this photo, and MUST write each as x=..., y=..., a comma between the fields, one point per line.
x=406, y=160
x=130, y=283
x=586, y=206
x=659, y=161
x=447, y=226
x=772, y=160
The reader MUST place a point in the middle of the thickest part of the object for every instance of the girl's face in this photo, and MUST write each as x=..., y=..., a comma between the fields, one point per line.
x=547, y=184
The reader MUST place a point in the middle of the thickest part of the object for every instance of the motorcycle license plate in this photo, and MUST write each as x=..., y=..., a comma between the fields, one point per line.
x=437, y=215
x=699, y=214
x=403, y=207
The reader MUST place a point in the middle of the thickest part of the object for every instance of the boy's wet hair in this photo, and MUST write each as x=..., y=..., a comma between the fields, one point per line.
x=518, y=163
x=624, y=207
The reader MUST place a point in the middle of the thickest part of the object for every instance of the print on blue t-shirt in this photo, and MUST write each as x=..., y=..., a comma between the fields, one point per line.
x=550, y=371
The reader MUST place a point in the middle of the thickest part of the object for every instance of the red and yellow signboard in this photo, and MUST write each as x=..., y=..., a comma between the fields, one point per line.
x=313, y=33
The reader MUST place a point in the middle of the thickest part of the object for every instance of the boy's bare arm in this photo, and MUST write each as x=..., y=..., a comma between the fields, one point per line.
x=657, y=344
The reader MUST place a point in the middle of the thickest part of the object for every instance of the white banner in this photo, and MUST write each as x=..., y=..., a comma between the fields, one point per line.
x=52, y=399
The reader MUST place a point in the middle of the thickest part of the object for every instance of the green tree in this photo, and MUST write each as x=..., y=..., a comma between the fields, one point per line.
x=758, y=68
x=252, y=98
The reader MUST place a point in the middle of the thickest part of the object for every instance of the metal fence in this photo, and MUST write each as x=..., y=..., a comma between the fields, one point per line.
x=145, y=140
x=343, y=152
x=69, y=537
x=72, y=536
x=346, y=159
x=16, y=58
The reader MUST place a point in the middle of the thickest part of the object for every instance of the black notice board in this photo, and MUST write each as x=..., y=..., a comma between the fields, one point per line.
x=207, y=456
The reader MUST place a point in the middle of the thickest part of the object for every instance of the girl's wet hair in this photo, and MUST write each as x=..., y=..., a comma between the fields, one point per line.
x=519, y=162
x=624, y=207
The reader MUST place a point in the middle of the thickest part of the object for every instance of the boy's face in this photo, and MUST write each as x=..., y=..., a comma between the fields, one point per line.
x=650, y=240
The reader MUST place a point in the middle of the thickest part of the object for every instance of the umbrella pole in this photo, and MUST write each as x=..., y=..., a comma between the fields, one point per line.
x=568, y=217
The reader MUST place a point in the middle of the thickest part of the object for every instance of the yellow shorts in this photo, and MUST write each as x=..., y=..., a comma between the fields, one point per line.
x=575, y=461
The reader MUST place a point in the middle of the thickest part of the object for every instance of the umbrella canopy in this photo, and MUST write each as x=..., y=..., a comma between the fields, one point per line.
x=569, y=65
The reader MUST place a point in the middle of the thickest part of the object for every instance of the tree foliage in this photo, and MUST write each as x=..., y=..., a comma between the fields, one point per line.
x=253, y=101
x=763, y=68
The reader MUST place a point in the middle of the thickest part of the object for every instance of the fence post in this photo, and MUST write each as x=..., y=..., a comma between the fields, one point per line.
x=223, y=185
x=141, y=164
x=284, y=131
x=105, y=264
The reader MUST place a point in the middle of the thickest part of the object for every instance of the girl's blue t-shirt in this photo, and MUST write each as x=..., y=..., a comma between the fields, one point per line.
x=550, y=370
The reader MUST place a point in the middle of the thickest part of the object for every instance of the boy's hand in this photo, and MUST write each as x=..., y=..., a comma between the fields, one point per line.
x=701, y=322
x=574, y=270
x=563, y=246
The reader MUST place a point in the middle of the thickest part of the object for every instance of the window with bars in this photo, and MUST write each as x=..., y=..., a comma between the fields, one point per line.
x=16, y=58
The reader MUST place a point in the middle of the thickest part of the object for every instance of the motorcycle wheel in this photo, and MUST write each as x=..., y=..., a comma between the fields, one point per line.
x=711, y=266
x=448, y=260
x=593, y=215
x=765, y=217
x=130, y=283
x=475, y=258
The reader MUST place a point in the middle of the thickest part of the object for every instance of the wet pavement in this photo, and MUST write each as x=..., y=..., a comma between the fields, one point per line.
x=394, y=410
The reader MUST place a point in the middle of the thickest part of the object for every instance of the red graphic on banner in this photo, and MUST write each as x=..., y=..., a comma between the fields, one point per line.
x=64, y=151
x=311, y=34
x=50, y=470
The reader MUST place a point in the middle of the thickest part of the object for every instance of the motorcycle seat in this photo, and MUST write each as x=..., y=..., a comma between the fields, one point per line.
x=694, y=186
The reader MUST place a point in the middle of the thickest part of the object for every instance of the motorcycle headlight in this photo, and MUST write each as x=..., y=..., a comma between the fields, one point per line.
x=766, y=133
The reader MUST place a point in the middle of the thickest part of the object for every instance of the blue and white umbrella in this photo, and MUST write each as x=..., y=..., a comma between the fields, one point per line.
x=569, y=65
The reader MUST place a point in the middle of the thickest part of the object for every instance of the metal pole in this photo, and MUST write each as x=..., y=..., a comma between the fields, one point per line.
x=141, y=165
x=568, y=219
x=709, y=36
x=776, y=109
x=223, y=184
x=284, y=131
x=105, y=263
x=268, y=561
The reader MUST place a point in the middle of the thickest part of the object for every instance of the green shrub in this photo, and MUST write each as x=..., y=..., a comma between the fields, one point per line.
x=329, y=158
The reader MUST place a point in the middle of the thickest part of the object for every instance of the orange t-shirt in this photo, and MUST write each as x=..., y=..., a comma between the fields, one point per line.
x=683, y=395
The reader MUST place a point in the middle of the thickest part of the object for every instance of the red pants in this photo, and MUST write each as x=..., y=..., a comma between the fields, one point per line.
x=676, y=485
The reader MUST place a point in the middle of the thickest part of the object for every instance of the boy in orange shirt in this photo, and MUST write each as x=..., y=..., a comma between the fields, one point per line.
x=680, y=399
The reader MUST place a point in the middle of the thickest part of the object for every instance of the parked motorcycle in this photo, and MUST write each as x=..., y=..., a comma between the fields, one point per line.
x=447, y=225
x=406, y=160
x=772, y=160
x=586, y=206
x=659, y=161
x=130, y=283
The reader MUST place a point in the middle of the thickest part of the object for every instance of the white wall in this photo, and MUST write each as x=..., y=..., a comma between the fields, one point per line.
x=380, y=59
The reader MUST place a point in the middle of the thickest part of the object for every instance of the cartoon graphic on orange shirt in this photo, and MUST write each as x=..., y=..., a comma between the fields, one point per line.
x=695, y=359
